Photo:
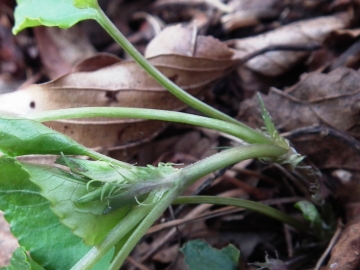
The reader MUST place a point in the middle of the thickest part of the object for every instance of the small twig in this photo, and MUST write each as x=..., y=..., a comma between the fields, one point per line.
x=331, y=245
x=194, y=213
x=302, y=47
x=136, y=263
x=325, y=131
x=203, y=186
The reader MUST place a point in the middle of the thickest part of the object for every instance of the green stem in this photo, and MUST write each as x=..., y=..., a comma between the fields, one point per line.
x=142, y=228
x=126, y=225
x=228, y=157
x=187, y=176
x=239, y=130
x=97, y=156
x=249, y=205
x=188, y=99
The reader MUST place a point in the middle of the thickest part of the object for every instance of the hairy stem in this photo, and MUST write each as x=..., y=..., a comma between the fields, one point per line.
x=241, y=131
x=187, y=176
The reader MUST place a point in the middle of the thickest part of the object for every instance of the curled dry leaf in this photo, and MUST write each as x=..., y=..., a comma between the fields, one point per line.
x=326, y=107
x=249, y=13
x=60, y=49
x=122, y=84
x=299, y=33
x=332, y=99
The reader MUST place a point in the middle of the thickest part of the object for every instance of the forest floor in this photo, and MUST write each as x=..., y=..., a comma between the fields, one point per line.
x=304, y=59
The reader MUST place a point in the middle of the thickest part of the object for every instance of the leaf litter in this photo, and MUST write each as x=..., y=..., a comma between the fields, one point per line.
x=312, y=96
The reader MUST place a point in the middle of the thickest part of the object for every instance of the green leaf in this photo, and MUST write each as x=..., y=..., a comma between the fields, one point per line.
x=270, y=127
x=86, y=3
x=21, y=136
x=62, y=190
x=61, y=13
x=37, y=228
x=119, y=186
x=20, y=260
x=200, y=256
x=309, y=212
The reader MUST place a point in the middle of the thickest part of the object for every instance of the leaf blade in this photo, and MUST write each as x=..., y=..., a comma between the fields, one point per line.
x=201, y=256
x=31, y=220
x=21, y=136
x=63, y=14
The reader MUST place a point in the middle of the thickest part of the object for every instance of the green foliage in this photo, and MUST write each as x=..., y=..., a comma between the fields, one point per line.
x=64, y=13
x=21, y=136
x=201, y=256
x=85, y=3
x=318, y=225
x=42, y=202
x=37, y=228
x=309, y=212
x=20, y=260
x=118, y=186
x=62, y=190
x=292, y=157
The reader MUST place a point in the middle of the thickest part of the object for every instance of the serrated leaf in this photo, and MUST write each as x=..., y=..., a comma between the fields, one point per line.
x=37, y=228
x=201, y=256
x=270, y=127
x=64, y=14
x=62, y=190
x=21, y=136
x=20, y=260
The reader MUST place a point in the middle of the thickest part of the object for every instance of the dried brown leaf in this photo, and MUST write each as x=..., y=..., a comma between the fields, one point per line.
x=121, y=84
x=60, y=49
x=249, y=13
x=299, y=33
x=183, y=40
x=331, y=99
x=346, y=252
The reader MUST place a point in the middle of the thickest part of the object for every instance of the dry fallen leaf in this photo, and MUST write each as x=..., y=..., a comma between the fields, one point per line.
x=346, y=252
x=332, y=99
x=250, y=13
x=125, y=84
x=305, y=32
x=60, y=49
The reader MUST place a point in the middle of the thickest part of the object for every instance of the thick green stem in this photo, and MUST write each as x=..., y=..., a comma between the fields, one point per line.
x=188, y=99
x=97, y=156
x=187, y=176
x=249, y=205
x=125, y=226
x=241, y=131
x=141, y=229
x=225, y=158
